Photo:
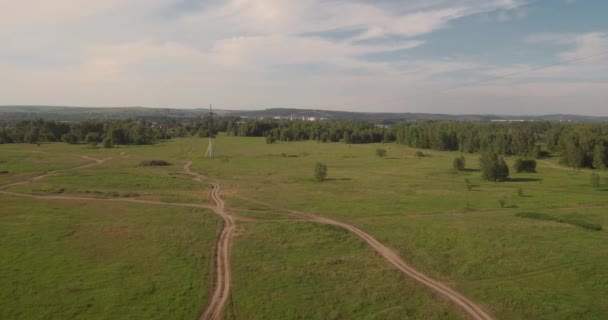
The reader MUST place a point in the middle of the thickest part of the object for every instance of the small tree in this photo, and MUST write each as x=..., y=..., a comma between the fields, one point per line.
x=270, y=139
x=381, y=152
x=493, y=167
x=459, y=163
x=107, y=143
x=92, y=138
x=320, y=172
x=595, y=180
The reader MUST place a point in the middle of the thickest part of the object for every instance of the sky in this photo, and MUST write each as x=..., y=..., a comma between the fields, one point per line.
x=435, y=56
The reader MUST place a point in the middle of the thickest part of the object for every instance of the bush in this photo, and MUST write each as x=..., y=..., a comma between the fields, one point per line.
x=381, y=153
x=520, y=192
x=92, y=138
x=154, y=163
x=420, y=154
x=320, y=172
x=493, y=167
x=107, y=143
x=270, y=139
x=459, y=163
x=522, y=165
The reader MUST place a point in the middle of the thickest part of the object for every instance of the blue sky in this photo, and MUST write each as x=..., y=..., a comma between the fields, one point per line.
x=384, y=55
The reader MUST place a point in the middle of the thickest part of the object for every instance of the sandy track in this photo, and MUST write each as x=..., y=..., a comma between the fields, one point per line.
x=46, y=174
x=221, y=290
x=136, y=201
x=468, y=306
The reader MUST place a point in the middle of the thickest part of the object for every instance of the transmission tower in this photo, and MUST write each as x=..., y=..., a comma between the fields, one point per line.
x=212, y=134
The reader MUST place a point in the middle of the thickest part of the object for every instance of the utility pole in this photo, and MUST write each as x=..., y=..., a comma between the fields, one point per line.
x=211, y=148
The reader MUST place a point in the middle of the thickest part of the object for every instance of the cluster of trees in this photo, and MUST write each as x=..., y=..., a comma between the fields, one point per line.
x=123, y=132
x=111, y=132
x=502, y=138
x=580, y=145
x=513, y=138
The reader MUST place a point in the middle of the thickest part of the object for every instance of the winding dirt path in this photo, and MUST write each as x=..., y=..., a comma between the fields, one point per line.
x=468, y=306
x=46, y=174
x=221, y=291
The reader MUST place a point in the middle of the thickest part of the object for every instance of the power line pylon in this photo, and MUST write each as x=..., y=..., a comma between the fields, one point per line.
x=212, y=134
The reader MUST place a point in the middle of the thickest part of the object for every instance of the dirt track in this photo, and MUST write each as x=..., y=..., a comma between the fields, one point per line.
x=468, y=306
x=215, y=307
x=46, y=174
x=221, y=291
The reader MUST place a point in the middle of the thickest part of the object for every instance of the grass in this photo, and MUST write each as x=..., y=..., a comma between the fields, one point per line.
x=419, y=206
x=573, y=220
x=300, y=270
x=77, y=260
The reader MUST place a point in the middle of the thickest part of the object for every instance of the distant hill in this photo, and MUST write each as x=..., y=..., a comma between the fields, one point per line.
x=12, y=113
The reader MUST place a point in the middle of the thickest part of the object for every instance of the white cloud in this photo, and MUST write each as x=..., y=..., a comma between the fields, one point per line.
x=243, y=53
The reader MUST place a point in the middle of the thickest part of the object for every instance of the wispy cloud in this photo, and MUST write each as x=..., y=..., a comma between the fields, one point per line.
x=245, y=53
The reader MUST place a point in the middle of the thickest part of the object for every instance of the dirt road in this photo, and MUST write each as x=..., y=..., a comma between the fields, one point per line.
x=221, y=291
x=469, y=307
x=46, y=174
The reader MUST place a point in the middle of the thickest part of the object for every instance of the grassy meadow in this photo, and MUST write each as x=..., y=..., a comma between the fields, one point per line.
x=517, y=268
x=99, y=260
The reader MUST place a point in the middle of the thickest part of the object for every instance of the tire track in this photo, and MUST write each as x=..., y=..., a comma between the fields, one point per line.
x=221, y=291
x=46, y=174
x=473, y=310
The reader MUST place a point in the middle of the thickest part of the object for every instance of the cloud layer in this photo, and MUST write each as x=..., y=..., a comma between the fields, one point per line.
x=308, y=53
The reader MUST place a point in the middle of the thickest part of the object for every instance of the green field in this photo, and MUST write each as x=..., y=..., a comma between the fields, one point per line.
x=98, y=260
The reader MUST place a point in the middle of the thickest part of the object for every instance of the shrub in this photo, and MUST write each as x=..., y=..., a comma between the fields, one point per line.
x=107, y=143
x=270, y=139
x=419, y=154
x=154, y=163
x=493, y=167
x=520, y=192
x=92, y=138
x=381, y=153
x=459, y=163
x=320, y=171
x=522, y=165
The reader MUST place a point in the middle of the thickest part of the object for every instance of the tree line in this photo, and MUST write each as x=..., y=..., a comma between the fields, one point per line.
x=111, y=132
x=578, y=144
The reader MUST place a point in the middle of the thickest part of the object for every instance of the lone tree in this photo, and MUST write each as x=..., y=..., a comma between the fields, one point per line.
x=493, y=167
x=381, y=152
x=459, y=163
x=320, y=171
